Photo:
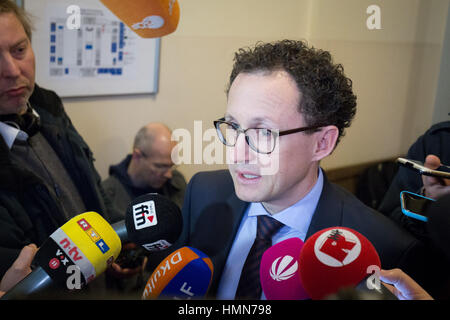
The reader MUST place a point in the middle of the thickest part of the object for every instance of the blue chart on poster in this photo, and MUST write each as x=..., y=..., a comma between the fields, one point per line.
x=99, y=56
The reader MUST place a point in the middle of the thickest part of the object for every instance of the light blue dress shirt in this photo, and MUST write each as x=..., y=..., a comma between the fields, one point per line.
x=10, y=134
x=296, y=220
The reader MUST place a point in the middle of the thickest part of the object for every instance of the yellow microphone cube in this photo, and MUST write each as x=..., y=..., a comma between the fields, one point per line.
x=90, y=241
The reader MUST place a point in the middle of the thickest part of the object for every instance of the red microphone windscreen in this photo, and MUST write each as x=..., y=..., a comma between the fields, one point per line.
x=279, y=275
x=335, y=258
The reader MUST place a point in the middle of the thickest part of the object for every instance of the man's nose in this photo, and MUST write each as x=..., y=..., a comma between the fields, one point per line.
x=168, y=174
x=9, y=67
x=241, y=152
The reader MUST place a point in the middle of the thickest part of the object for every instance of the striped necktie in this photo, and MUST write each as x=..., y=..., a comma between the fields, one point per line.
x=250, y=284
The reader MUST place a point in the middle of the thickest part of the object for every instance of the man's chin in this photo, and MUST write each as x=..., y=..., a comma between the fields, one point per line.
x=158, y=185
x=249, y=196
x=18, y=106
x=23, y=108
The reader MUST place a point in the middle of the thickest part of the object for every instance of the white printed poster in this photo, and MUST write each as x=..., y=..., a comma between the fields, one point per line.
x=94, y=55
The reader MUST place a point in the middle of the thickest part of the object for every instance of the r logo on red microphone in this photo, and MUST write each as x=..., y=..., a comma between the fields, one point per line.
x=144, y=215
x=337, y=247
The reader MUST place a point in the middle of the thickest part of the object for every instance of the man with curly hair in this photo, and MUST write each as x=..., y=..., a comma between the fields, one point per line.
x=288, y=105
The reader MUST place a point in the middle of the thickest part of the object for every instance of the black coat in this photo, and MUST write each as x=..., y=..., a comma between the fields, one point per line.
x=212, y=214
x=28, y=212
x=436, y=141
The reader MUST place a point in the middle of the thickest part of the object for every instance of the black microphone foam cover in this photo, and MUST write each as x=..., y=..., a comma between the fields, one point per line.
x=153, y=221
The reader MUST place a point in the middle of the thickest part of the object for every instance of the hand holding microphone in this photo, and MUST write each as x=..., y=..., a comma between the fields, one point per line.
x=71, y=257
x=89, y=244
x=20, y=268
x=330, y=261
x=152, y=222
x=403, y=286
x=130, y=262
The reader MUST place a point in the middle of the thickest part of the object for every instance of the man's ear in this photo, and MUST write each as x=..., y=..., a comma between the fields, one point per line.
x=137, y=154
x=325, y=142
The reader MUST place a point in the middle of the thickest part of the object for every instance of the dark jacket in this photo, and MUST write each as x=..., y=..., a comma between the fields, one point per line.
x=436, y=141
x=212, y=214
x=121, y=191
x=28, y=212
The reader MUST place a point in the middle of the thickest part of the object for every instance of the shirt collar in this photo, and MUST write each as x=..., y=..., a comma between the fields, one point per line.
x=298, y=216
x=10, y=133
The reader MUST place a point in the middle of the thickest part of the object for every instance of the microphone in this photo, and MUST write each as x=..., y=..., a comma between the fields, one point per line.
x=151, y=221
x=71, y=257
x=280, y=279
x=184, y=274
x=339, y=257
x=147, y=18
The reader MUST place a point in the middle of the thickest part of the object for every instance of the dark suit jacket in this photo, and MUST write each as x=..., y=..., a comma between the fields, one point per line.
x=212, y=214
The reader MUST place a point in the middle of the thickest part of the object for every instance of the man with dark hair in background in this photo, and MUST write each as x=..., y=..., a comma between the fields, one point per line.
x=288, y=106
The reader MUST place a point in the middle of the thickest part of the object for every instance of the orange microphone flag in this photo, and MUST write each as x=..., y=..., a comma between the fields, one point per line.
x=147, y=18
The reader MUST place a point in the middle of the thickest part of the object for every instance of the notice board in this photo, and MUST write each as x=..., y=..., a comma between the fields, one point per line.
x=101, y=56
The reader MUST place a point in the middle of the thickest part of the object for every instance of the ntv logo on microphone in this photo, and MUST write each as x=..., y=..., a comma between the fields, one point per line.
x=144, y=215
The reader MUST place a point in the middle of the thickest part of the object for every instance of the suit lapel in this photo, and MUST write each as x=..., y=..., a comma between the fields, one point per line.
x=235, y=209
x=329, y=211
x=237, y=212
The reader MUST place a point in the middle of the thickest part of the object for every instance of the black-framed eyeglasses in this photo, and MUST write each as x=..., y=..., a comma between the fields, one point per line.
x=262, y=140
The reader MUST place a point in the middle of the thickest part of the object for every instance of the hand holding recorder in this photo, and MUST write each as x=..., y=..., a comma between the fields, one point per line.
x=435, y=175
x=436, y=186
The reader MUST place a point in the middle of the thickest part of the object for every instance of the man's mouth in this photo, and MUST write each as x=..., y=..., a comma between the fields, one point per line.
x=247, y=177
x=250, y=176
x=15, y=92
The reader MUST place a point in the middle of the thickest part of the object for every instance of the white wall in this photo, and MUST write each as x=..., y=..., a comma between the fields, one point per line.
x=442, y=103
x=394, y=72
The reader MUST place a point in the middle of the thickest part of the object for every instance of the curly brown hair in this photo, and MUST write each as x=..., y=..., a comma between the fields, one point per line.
x=327, y=93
